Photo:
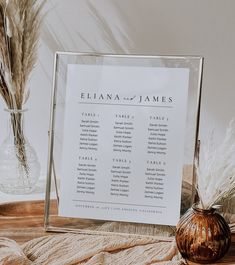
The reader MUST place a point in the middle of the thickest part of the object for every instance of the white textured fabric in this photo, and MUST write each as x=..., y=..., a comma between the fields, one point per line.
x=11, y=253
x=74, y=249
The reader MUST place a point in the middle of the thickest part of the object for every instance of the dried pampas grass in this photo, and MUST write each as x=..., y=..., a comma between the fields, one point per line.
x=216, y=171
x=19, y=32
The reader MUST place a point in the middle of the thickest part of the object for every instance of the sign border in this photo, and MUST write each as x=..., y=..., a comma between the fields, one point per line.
x=51, y=171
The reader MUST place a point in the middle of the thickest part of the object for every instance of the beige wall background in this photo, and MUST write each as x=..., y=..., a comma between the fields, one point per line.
x=161, y=27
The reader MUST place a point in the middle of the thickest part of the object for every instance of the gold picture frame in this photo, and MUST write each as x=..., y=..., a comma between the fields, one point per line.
x=55, y=223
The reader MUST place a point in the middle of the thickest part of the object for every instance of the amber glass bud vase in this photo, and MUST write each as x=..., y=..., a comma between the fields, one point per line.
x=203, y=236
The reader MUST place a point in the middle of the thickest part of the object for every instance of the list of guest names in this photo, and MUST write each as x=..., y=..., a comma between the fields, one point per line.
x=121, y=153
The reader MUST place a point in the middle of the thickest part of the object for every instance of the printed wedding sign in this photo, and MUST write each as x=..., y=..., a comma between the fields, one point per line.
x=123, y=143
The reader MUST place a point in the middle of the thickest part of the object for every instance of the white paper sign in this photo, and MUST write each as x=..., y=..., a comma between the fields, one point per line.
x=123, y=143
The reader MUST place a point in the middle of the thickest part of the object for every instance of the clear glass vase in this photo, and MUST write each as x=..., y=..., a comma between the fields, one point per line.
x=19, y=165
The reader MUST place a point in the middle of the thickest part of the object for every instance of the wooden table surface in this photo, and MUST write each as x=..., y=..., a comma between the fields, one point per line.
x=26, y=222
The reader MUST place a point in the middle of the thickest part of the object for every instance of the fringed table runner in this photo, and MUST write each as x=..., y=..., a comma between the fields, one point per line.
x=73, y=249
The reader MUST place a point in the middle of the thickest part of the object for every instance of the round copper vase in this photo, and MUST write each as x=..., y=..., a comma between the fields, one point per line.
x=203, y=236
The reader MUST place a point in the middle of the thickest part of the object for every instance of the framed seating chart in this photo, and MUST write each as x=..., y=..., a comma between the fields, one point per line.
x=123, y=139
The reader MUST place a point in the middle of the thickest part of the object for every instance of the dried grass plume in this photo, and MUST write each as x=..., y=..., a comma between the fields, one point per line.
x=216, y=170
x=19, y=33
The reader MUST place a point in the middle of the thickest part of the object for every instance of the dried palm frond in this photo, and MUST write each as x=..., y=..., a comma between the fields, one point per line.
x=216, y=170
x=19, y=32
x=116, y=42
x=112, y=38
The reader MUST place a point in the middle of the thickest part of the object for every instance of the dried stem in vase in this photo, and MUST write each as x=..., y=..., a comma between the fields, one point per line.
x=19, y=33
x=19, y=140
x=216, y=171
